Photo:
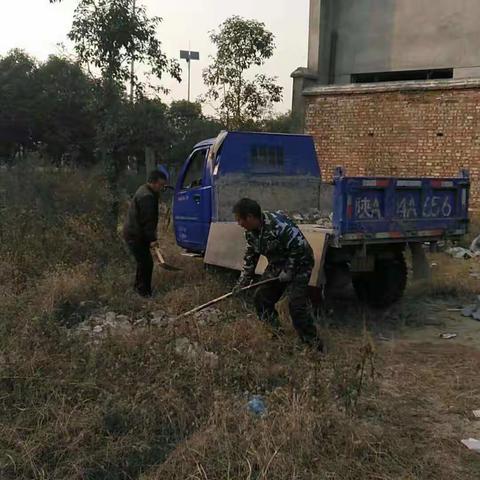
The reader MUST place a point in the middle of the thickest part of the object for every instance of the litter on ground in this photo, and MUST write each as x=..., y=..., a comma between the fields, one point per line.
x=257, y=406
x=473, y=310
x=448, y=336
x=472, y=444
x=460, y=252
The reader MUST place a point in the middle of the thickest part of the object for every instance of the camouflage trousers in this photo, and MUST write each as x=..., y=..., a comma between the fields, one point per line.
x=296, y=292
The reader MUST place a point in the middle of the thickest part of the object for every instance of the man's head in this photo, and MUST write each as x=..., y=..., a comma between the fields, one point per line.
x=157, y=180
x=248, y=214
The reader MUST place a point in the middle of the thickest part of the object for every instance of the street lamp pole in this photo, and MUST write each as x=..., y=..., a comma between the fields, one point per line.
x=189, y=76
x=132, y=67
x=189, y=56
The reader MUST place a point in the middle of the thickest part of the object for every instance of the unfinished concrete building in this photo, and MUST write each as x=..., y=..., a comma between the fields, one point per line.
x=393, y=87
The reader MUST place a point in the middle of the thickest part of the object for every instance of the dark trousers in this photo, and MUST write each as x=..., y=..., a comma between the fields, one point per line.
x=143, y=257
x=296, y=292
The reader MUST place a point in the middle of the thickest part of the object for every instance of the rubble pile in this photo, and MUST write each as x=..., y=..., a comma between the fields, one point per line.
x=312, y=216
x=101, y=325
x=192, y=351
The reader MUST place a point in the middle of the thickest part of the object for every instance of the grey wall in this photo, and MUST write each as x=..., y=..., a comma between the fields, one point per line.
x=386, y=35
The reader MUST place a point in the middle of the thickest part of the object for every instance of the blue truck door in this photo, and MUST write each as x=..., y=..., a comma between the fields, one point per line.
x=193, y=203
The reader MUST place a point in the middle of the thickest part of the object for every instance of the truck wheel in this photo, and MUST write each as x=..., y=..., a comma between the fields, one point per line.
x=385, y=285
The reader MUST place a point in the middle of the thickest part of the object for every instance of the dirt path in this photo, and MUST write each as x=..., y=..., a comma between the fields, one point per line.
x=466, y=329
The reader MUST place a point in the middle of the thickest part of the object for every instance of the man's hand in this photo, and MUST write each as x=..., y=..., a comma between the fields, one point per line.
x=242, y=283
x=154, y=244
x=286, y=276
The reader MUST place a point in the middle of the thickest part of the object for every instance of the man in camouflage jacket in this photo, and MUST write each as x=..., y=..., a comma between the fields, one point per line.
x=290, y=258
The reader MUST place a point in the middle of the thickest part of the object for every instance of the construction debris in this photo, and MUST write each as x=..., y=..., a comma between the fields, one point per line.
x=472, y=311
x=448, y=336
x=194, y=352
x=312, y=216
x=475, y=246
x=101, y=325
x=460, y=252
x=472, y=444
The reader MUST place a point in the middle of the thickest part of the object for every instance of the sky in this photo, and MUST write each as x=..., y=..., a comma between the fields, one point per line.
x=38, y=27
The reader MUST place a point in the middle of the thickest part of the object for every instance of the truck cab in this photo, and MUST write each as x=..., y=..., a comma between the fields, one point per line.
x=280, y=171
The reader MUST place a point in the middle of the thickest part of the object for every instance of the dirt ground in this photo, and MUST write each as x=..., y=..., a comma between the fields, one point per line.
x=432, y=384
x=426, y=387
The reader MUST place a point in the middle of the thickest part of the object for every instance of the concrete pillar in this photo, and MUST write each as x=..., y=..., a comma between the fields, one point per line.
x=314, y=35
x=321, y=32
x=302, y=78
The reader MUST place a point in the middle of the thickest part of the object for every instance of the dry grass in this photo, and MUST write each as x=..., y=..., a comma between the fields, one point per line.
x=130, y=407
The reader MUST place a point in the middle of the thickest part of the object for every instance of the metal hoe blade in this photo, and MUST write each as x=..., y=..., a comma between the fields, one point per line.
x=162, y=263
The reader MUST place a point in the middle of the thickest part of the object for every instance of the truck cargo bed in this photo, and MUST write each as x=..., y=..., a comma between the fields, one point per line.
x=367, y=209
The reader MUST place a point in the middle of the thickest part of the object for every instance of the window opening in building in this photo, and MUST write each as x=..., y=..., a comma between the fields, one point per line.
x=403, y=76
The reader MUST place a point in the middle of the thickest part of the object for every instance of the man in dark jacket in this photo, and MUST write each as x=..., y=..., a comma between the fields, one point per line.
x=140, y=229
x=290, y=259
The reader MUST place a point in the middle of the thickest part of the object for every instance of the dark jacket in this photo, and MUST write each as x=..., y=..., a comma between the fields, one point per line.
x=142, y=217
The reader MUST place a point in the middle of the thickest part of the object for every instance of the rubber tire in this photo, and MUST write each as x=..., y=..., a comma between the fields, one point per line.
x=385, y=285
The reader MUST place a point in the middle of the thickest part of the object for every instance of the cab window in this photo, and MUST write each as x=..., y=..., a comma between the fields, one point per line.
x=193, y=177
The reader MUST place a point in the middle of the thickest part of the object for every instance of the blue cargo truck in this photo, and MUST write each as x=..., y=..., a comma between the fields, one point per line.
x=359, y=227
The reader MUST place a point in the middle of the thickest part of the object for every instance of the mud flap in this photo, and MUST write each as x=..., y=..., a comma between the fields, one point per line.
x=226, y=248
x=421, y=266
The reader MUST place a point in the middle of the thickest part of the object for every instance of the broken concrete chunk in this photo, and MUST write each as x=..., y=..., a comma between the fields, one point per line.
x=472, y=311
x=209, y=316
x=448, y=336
x=194, y=352
x=211, y=359
x=468, y=311
x=459, y=252
x=472, y=444
x=475, y=246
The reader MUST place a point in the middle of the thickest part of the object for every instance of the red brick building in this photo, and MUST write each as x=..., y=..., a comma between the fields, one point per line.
x=408, y=129
x=378, y=109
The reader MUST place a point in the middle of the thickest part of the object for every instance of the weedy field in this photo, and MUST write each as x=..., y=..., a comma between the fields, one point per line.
x=390, y=399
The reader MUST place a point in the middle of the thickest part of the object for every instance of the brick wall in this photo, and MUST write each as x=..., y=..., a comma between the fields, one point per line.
x=409, y=129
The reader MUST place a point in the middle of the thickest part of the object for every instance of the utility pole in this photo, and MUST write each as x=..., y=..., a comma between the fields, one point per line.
x=189, y=56
x=132, y=67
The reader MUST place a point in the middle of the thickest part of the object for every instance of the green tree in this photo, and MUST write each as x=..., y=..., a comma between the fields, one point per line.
x=18, y=92
x=241, y=96
x=109, y=35
x=148, y=125
x=280, y=123
x=188, y=127
x=66, y=106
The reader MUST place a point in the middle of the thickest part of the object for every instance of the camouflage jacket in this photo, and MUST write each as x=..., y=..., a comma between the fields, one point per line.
x=281, y=242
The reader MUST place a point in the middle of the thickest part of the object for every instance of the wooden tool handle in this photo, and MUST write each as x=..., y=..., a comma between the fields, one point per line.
x=159, y=255
x=224, y=297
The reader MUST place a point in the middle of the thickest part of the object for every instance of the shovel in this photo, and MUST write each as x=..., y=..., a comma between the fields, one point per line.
x=162, y=263
x=224, y=297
